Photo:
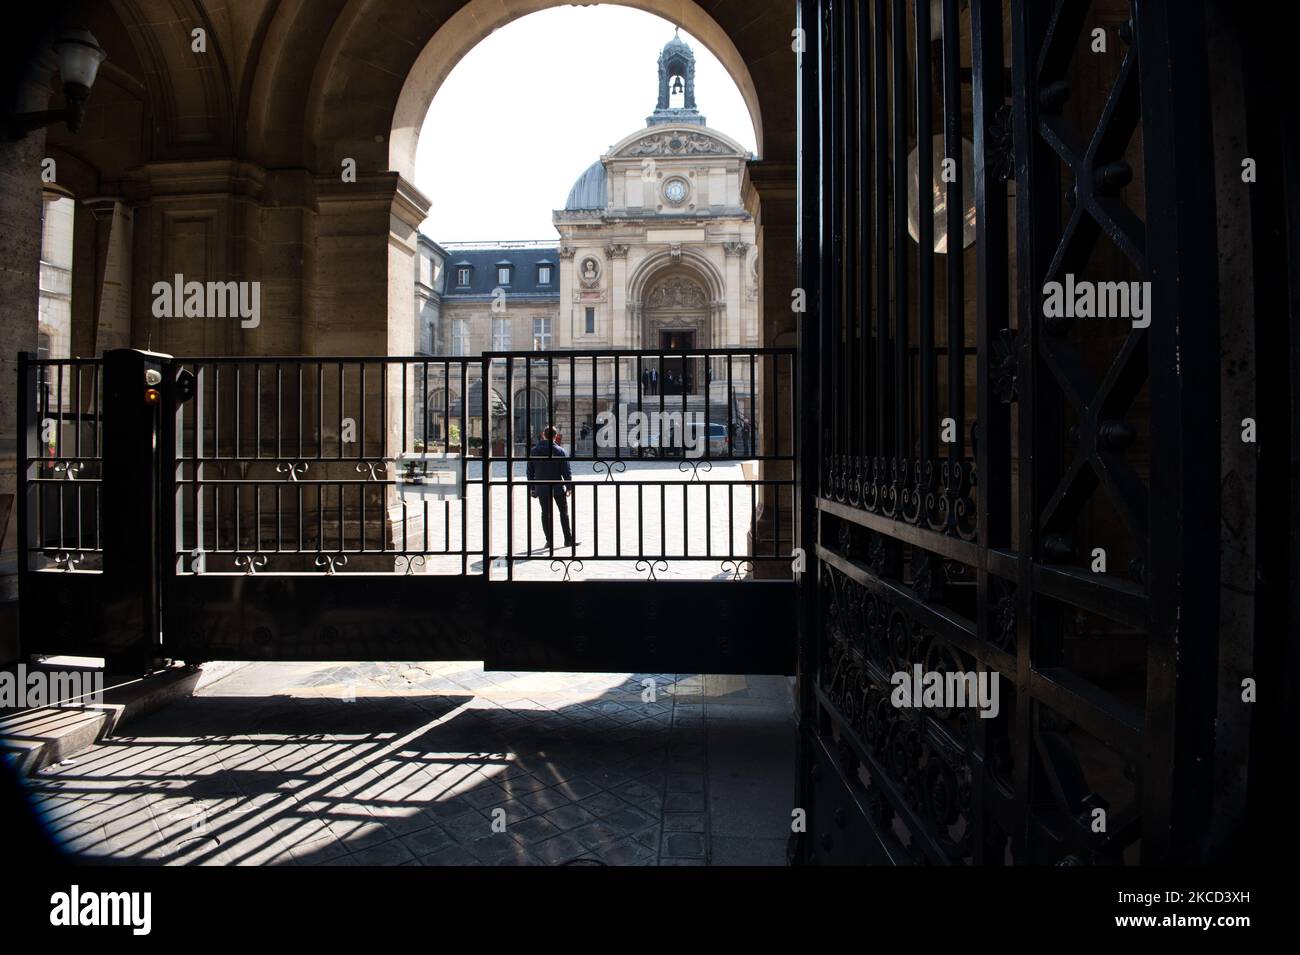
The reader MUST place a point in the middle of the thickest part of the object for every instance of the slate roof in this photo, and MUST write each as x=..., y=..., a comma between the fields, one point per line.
x=483, y=265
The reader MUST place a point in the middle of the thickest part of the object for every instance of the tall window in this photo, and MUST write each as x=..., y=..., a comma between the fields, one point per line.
x=501, y=334
x=541, y=334
x=55, y=304
x=543, y=275
x=591, y=321
x=460, y=336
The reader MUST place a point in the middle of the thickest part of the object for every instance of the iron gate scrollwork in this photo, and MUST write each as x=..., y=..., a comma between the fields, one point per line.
x=996, y=491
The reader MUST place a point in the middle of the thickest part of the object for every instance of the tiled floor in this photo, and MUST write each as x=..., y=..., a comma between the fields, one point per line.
x=438, y=764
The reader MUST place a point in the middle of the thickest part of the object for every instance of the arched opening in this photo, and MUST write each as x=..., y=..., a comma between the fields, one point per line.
x=531, y=415
x=480, y=18
x=657, y=247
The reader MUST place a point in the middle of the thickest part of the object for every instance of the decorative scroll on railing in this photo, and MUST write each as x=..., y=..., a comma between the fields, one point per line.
x=329, y=465
x=61, y=462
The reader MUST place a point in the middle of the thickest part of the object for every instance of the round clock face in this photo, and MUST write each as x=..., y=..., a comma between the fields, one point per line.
x=675, y=191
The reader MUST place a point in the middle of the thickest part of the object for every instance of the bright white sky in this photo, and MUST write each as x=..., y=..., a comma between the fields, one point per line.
x=549, y=94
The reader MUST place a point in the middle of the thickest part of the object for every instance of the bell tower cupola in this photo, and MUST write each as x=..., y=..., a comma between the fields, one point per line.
x=676, y=85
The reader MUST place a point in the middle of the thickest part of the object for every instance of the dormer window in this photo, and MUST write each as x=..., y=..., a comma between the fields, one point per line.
x=543, y=275
x=462, y=276
x=504, y=269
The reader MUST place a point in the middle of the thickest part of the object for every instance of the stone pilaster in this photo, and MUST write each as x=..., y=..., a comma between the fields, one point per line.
x=112, y=222
x=773, y=185
x=20, y=255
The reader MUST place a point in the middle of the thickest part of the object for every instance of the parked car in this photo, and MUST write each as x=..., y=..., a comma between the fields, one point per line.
x=719, y=444
x=719, y=441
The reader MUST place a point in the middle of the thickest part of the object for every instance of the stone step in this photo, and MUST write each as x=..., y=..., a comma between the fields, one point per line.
x=34, y=738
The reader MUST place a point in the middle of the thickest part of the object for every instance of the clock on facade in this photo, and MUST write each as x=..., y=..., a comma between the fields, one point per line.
x=675, y=191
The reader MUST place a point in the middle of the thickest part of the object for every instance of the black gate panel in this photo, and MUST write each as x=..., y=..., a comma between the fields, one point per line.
x=89, y=571
x=67, y=613
x=319, y=617
x=997, y=489
x=662, y=626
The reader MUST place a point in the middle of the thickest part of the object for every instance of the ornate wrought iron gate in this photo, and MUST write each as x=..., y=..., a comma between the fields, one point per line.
x=383, y=508
x=993, y=486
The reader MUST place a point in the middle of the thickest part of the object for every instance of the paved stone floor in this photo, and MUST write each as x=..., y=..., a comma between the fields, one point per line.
x=437, y=764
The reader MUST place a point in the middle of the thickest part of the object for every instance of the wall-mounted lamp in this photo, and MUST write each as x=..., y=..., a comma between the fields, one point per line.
x=79, y=56
x=939, y=195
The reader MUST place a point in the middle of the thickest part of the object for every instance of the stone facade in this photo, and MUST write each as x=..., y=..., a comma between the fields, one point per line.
x=657, y=250
x=673, y=250
x=430, y=261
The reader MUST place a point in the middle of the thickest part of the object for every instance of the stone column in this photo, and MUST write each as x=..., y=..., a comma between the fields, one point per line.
x=773, y=185
x=360, y=303
x=618, y=305
x=735, y=279
x=20, y=255
x=112, y=307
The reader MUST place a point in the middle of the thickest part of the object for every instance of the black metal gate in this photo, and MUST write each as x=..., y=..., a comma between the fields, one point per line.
x=386, y=508
x=999, y=489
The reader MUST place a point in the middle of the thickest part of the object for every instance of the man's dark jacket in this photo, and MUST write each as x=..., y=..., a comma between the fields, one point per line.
x=548, y=462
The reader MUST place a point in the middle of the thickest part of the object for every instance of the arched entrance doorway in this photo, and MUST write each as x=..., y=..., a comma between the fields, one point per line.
x=530, y=414
x=676, y=317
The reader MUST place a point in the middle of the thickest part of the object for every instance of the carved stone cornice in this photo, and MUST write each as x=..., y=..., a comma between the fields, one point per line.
x=677, y=143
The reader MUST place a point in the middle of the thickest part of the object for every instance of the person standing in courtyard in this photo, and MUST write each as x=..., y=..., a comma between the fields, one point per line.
x=548, y=464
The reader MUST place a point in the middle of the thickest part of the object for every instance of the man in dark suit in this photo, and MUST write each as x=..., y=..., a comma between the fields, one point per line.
x=548, y=462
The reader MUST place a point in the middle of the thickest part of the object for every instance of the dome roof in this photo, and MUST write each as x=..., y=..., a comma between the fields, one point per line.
x=591, y=191
x=677, y=45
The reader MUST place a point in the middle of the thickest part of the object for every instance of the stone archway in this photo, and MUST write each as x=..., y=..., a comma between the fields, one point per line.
x=677, y=303
x=320, y=91
x=683, y=289
x=479, y=18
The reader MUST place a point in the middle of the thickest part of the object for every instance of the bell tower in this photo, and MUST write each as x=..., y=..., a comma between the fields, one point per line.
x=676, y=75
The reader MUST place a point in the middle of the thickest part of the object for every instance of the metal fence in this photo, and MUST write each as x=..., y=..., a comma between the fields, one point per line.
x=60, y=464
x=272, y=508
x=422, y=464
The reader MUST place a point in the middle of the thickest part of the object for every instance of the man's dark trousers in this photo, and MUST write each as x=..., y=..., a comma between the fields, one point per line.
x=548, y=462
x=553, y=494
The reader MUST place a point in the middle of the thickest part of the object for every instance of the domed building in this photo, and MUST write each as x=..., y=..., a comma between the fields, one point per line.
x=656, y=251
x=656, y=244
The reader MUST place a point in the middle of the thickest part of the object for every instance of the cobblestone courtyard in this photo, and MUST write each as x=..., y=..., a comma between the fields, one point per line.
x=437, y=764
